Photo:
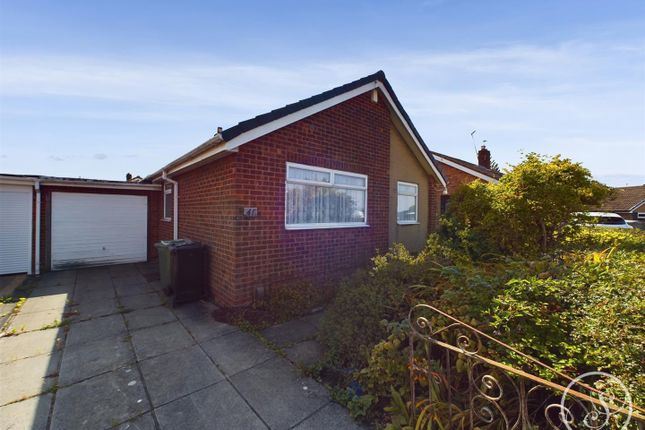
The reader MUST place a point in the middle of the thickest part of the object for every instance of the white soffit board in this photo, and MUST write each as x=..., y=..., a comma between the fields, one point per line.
x=97, y=229
x=15, y=228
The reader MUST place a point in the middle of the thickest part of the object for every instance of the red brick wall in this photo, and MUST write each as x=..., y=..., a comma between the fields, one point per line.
x=435, y=190
x=207, y=214
x=45, y=214
x=455, y=177
x=249, y=253
x=353, y=136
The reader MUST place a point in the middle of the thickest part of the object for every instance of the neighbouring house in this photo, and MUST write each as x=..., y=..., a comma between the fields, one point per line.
x=310, y=191
x=459, y=172
x=628, y=202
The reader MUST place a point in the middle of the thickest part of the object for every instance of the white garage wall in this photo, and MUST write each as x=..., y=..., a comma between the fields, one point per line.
x=97, y=229
x=15, y=228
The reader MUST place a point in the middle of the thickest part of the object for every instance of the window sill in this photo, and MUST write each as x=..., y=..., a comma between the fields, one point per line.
x=166, y=219
x=407, y=223
x=323, y=227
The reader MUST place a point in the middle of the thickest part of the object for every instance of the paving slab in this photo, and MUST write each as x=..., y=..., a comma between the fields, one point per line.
x=51, y=279
x=216, y=407
x=88, y=309
x=143, y=422
x=101, y=402
x=143, y=318
x=194, y=310
x=155, y=285
x=126, y=281
x=42, y=290
x=30, y=344
x=93, y=286
x=82, y=361
x=278, y=395
x=44, y=303
x=123, y=271
x=82, y=294
x=29, y=414
x=314, y=319
x=35, y=320
x=332, y=416
x=236, y=352
x=153, y=341
x=5, y=312
x=141, y=301
x=290, y=332
x=98, y=328
x=27, y=377
x=305, y=353
x=133, y=290
x=173, y=375
x=205, y=328
x=11, y=283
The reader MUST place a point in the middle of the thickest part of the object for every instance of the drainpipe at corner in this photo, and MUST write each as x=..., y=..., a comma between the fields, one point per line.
x=37, y=242
x=175, y=204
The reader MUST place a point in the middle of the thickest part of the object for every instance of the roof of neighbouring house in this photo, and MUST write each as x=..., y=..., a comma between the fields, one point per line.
x=467, y=165
x=624, y=199
x=237, y=131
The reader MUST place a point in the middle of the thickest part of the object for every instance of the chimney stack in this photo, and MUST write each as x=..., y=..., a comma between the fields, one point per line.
x=483, y=157
x=128, y=177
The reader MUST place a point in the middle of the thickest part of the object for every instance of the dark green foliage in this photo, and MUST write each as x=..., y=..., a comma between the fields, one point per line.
x=579, y=308
x=530, y=210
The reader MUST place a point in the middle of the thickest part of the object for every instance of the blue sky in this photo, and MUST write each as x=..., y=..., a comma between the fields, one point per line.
x=98, y=89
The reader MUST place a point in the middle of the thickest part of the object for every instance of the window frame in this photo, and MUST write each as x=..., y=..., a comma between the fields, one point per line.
x=416, y=203
x=330, y=184
x=640, y=215
x=166, y=190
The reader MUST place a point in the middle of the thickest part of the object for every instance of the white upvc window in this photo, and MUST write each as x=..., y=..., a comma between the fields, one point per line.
x=167, y=202
x=407, y=211
x=324, y=198
x=640, y=215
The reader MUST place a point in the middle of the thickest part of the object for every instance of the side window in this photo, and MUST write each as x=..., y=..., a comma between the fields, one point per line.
x=407, y=203
x=168, y=202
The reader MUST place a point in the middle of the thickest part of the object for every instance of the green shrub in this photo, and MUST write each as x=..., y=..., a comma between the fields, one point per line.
x=530, y=210
x=352, y=324
x=577, y=309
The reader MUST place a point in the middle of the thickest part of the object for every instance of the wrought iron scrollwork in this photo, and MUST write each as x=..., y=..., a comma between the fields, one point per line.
x=481, y=392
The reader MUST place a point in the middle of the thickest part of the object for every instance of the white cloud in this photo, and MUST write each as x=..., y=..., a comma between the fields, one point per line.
x=581, y=99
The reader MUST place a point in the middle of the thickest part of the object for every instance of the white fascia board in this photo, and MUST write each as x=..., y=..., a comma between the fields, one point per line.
x=409, y=130
x=80, y=184
x=11, y=180
x=637, y=205
x=279, y=123
x=465, y=169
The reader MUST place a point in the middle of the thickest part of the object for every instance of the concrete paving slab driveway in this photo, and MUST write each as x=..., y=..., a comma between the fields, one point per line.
x=129, y=361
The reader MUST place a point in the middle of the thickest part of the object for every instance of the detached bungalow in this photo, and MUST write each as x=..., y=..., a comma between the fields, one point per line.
x=309, y=191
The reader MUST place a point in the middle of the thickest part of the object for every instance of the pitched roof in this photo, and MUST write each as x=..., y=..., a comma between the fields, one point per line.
x=624, y=199
x=467, y=165
x=248, y=127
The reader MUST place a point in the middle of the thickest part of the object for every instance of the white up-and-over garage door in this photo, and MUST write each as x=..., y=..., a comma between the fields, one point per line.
x=97, y=229
x=15, y=228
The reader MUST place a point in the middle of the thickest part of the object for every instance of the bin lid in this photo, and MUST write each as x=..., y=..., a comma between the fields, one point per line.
x=176, y=243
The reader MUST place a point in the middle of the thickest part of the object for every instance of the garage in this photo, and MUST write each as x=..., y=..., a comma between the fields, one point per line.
x=90, y=229
x=15, y=228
